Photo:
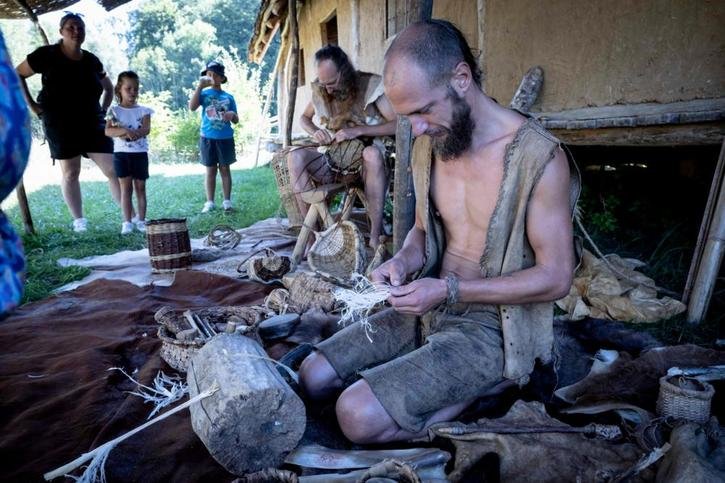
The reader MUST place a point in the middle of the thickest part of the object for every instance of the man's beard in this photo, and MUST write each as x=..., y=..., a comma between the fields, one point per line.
x=460, y=134
x=339, y=94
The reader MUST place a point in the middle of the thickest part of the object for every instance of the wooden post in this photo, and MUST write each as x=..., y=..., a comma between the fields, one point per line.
x=294, y=67
x=717, y=179
x=268, y=101
x=24, y=5
x=20, y=188
x=404, y=202
x=711, y=259
x=404, y=198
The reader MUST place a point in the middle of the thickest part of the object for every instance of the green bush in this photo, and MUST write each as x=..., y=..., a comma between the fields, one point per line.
x=184, y=137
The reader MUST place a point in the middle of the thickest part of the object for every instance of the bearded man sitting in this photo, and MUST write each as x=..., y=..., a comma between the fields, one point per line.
x=346, y=104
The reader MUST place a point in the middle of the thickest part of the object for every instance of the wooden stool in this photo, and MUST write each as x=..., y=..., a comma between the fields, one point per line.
x=318, y=198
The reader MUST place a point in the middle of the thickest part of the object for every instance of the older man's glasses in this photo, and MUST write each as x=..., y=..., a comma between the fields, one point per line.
x=331, y=83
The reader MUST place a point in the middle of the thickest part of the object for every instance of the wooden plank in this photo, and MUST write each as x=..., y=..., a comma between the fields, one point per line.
x=673, y=135
x=632, y=115
x=712, y=255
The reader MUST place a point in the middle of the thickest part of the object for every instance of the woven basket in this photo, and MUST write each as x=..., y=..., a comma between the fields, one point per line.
x=307, y=291
x=169, y=245
x=176, y=352
x=284, y=186
x=683, y=397
x=267, y=268
x=338, y=252
x=345, y=157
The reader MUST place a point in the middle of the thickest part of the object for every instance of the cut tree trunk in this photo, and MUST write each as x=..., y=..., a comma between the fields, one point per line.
x=255, y=418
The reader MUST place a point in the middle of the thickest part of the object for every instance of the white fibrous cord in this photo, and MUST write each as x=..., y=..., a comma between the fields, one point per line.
x=166, y=391
x=357, y=302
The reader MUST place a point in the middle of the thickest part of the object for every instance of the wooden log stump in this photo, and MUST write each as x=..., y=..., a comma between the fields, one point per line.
x=255, y=418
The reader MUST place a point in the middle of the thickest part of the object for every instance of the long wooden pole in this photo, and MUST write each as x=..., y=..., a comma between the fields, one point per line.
x=404, y=202
x=295, y=53
x=404, y=198
x=717, y=179
x=20, y=188
x=268, y=102
x=711, y=259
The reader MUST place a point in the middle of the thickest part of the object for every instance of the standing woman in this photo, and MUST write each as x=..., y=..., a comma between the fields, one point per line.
x=73, y=80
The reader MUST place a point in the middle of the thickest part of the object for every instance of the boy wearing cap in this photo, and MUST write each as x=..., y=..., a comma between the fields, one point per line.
x=217, y=136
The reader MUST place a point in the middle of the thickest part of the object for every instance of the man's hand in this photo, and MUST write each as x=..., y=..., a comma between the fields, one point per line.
x=392, y=272
x=322, y=136
x=229, y=116
x=347, y=133
x=418, y=297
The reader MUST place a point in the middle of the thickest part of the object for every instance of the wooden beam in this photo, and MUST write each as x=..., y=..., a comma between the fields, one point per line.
x=20, y=188
x=404, y=206
x=294, y=69
x=673, y=135
x=717, y=179
x=481, y=25
x=634, y=115
x=404, y=202
x=711, y=259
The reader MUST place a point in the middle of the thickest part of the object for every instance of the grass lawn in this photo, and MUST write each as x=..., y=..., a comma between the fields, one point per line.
x=254, y=195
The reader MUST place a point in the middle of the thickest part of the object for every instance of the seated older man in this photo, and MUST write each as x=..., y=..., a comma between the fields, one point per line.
x=349, y=105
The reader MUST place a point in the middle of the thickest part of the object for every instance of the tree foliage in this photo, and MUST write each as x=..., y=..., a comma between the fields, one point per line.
x=171, y=41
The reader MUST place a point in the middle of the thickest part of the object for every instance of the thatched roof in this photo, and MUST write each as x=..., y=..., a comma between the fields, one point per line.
x=23, y=8
x=271, y=16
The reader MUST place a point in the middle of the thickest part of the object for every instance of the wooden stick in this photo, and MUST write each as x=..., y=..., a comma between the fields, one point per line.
x=190, y=318
x=712, y=257
x=294, y=66
x=717, y=180
x=65, y=469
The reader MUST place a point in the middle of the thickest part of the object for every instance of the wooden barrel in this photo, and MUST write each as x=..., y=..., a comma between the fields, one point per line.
x=255, y=418
x=169, y=245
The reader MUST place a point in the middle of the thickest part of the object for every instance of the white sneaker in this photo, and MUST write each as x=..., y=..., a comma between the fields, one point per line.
x=126, y=228
x=227, y=205
x=208, y=206
x=134, y=219
x=141, y=225
x=80, y=225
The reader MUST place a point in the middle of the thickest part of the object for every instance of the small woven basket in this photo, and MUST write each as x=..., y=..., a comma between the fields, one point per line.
x=338, y=252
x=177, y=352
x=683, y=397
x=267, y=268
x=307, y=291
x=345, y=157
x=284, y=186
x=169, y=245
x=174, y=352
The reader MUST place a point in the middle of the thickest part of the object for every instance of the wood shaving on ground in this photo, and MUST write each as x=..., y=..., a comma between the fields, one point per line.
x=360, y=300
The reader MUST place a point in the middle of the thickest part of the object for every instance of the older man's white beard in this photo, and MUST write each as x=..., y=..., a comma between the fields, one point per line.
x=460, y=134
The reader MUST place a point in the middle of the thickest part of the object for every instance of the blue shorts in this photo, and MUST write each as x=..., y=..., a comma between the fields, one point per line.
x=135, y=165
x=217, y=151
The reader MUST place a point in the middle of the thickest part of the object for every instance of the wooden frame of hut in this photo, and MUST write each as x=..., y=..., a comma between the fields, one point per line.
x=616, y=74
